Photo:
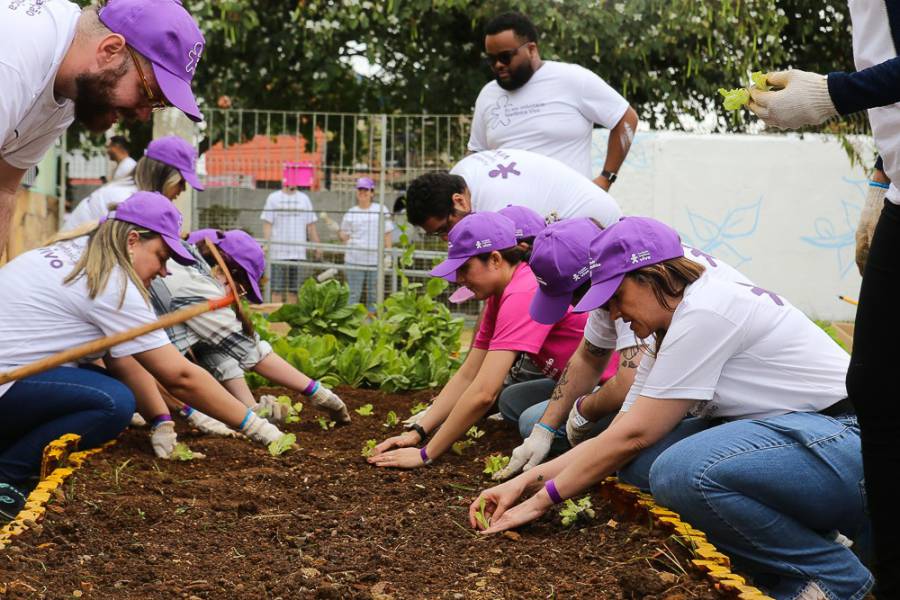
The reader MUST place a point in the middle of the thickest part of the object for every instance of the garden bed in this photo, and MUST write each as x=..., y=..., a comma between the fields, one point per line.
x=321, y=523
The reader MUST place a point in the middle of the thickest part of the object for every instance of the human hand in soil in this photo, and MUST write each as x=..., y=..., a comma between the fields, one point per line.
x=414, y=419
x=404, y=440
x=531, y=453
x=526, y=512
x=404, y=458
x=325, y=399
x=496, y=500
x=271, y=409
x=208, y=425
x=259, y=430
x=163, y=439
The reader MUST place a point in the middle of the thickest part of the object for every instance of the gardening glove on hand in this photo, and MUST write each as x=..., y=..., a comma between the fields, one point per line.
x=531, y=453
x=578, y=428
x=137, y=420
x=207, y=424
x=413, y=420
x=271, y=409
x=325, y=399
x=803, y=100
x=163, y=438
x=867, y=221
x=259, y=430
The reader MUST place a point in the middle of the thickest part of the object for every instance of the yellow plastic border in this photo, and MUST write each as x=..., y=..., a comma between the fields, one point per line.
x=60, y=460
x=630, y=501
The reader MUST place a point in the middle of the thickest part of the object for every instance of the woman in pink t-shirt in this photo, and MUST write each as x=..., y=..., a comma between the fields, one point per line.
x=484, y=256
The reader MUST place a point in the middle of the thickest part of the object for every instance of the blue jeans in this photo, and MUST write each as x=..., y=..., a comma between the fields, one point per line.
x=524, y=404
x=770, y=493
x=356, y=279
x=39, y=409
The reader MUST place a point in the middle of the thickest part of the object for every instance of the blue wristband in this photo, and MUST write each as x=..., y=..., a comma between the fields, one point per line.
x=246, y=417
x=548, y=428
x=878, y=184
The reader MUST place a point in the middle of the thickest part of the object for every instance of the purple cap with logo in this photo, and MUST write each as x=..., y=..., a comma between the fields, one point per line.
x=248, y=254
x=630, y=244
x=165, y=34
x=195, y=237
x=473, y=235
x=561, y=263
x=365, y=183
x=528, y=222
x=175, y=152
x=155, y=212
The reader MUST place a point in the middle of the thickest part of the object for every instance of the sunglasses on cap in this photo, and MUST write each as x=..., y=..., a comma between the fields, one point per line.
x=504, y=58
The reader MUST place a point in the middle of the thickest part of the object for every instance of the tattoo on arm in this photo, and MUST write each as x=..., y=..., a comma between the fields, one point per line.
x=630, y=357
x=563, y=380
x=596, y=350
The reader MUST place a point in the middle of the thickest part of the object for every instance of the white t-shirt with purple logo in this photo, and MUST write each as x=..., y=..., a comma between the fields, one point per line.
x=602, y=332
x=42, y=316
x=498, y=178
x=743, y=353
x=553, y=114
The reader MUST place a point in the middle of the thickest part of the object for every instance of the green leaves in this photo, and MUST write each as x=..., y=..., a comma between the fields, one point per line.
x=495, y=463
x=324, y=423
x=365, y=410
x=391, y=420
x=572, y=511
x=417, y=408
x=321, y=309
x=282, y=444
x=483, y=521
x=369, y=448
x=735, y=98
x=182, y=452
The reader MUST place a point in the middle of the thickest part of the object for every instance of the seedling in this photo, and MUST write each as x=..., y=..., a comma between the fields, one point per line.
x=479, y=515
x=738, y=97
x=368, y=448
x=141, y=514
x=417, y=408
x=365, y=410
x=282, y=444
x=324, y=423
x=474, y=433
x=182, y=452
x=572, y=511
x=495, y=463
x=460, y=446
x=392, y=420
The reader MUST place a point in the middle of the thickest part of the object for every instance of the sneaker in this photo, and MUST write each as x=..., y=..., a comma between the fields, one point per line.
x=11, y=502
x=812, y=591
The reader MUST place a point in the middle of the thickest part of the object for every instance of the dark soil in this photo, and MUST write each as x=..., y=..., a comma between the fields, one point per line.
x=321, y=523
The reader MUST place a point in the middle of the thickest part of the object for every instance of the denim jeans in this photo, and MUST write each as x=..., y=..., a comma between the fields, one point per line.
x=524, y=404
x=356, y=279
x=38, y=409
x=770, y=493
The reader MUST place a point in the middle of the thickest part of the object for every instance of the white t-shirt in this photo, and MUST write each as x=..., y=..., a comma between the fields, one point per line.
x=874, y=44
x=35, y=38
x=743, y=353
x=601, y=331
x=498, y=178
x=42, y=316
x=125, y=168
x=361, y=224
x=553, y=114
x=289, y=214
x=97, y=204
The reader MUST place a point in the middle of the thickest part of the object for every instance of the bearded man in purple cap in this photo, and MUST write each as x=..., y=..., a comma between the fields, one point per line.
x=118, y=60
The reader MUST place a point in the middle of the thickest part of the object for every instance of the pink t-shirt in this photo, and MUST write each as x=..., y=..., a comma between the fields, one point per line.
x=507, y=325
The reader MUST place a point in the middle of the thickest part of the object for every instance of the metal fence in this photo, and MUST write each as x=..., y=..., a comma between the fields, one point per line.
x=246, y=155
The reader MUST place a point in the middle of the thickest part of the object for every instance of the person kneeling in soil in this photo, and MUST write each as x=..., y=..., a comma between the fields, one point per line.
x=485, y=257
x=768, y=465
x=560, y=260
x=218, y=340
x=66, y=294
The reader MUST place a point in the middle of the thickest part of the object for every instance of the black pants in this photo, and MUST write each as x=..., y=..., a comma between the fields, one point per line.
x=872, y=387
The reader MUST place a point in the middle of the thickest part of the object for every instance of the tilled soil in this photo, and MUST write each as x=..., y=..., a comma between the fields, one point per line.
x=321, y=523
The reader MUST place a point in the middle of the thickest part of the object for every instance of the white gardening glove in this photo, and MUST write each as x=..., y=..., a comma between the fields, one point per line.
x=414, y=419
x=327, y=400
x=531, y=453
x=578, y=428
x=271, y=409
x=208, y=425
x=867, y=221
x=137, y=420
x=259, y=430
x=803, y=100
x=163, y=439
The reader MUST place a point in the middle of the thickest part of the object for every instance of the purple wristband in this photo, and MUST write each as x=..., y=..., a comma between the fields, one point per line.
x=312, y=388
x=186, y=411
x=423, y=454
x=161, y=419
x=551, y=491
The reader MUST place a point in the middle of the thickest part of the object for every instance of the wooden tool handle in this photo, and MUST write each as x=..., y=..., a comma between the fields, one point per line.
x=96, y=346
x=246, y=324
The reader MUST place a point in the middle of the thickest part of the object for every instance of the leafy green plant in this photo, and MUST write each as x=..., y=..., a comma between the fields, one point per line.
x=417, y=408
x=495, y=463
x=738, y=97
x=368, y=448
x=324, y=423
x=572, y=511
x=321, y=309
x=365, y=410
x=282, y=444
x=182, y=452
x=480, y=516
x=391, y=420
x=474, y=433
x=460, y=446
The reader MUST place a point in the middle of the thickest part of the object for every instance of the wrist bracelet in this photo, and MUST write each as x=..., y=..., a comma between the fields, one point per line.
x=548, y=428
x=246, y=418
x=186, y=411
x=424, y=454
x=421, y=431
x=159, y=419
x=311, y=388
x=552, y=492
x=878, y=184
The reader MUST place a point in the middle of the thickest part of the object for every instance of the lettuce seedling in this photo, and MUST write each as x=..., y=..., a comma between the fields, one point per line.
x=495, y=463
x=368, y=448
x=474, y=433
x=282, y=444
x=182, y=452
x=324, y=423
x=759, y=81
x=365, y=410
x=460, y=446
x=417, y=408
x=480, y=517
x=735, y=98
x=571, y=511
x=392, y=419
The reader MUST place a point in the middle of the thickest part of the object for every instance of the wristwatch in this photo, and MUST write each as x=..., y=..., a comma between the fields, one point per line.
x=421, y=431
x=609, y=175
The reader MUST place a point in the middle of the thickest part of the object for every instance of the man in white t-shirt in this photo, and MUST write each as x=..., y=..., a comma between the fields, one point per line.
x=359, y=230
x=494, y=179
x=547, y=107
x=59, y=63
x=289, y=221
x=118, y=152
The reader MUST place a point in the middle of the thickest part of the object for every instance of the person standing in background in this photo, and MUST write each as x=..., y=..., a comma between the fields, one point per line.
x=118, y=151
x=359, y=230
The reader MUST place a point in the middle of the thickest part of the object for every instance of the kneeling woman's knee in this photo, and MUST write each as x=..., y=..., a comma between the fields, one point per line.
x=118, y=407
x=673, y=478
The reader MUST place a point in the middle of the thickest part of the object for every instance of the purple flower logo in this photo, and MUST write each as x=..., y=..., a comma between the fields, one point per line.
x=504, y=171
x=760, y=291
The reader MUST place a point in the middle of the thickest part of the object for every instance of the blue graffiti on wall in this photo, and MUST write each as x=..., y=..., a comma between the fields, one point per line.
x=719, y=238
x=839, y=236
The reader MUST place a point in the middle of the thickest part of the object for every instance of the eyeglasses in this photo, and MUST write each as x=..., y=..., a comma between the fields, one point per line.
x=504, y=57
x=154, y=102
x=441, y=231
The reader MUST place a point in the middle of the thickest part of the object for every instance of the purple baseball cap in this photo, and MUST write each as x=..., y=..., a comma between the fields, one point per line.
x=155, y=212
x=165, y=34
x=365, y=183
x=561, y=263
x=247, y=253
x=630, y=244
x=175, y=152
x=475, y=234
x=195, y=237
x=528, y=222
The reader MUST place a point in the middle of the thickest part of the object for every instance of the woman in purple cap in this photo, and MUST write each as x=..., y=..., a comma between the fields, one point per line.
x=217, y=341
x=67, y=294
x=484, y=255
x=168, y=165
x=737, y=419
